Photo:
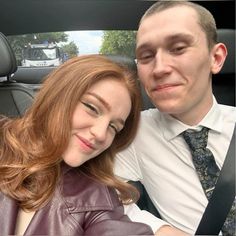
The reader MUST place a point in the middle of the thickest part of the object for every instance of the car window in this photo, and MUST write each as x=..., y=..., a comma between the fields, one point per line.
x=54, y=48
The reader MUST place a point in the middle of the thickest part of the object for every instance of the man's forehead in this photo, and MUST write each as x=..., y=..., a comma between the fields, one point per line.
x=180, y=11
x=183, y=16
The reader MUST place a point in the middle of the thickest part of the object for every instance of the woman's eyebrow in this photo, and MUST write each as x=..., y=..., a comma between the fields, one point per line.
x=121, y=121
x=106, y=105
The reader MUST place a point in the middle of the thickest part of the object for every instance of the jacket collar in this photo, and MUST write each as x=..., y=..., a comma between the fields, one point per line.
x=82, y=193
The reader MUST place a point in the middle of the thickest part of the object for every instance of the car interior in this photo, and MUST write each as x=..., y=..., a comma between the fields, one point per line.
x=18, y=85
x=17, y=91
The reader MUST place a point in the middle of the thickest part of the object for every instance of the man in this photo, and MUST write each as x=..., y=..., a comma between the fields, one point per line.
x=177, y=53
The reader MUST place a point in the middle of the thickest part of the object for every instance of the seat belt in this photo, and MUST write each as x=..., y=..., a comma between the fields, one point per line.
x=222, y=197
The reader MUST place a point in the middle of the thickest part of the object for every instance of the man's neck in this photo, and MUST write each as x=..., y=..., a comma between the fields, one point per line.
x=194, y=116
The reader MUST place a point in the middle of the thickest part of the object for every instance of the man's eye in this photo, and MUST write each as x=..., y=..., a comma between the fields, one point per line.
x=90, y=107
x=145, y=58
x=178, y=50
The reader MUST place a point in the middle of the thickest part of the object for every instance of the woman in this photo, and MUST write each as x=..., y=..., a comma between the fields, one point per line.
x=56, y=162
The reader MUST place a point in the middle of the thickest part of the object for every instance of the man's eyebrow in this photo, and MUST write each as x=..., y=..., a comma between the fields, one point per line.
x=142, y=47
x=169, y=38
x=179, y=36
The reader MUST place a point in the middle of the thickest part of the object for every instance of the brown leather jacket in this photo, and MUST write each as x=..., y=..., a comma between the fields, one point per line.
x=80, y=206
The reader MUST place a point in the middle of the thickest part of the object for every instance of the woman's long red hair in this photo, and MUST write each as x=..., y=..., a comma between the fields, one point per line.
x=32, y=146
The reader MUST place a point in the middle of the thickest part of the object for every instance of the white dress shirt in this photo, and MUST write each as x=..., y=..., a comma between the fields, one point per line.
x=160, y=158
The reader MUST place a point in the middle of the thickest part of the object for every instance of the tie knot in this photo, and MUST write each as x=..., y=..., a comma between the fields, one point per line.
x=196, y=139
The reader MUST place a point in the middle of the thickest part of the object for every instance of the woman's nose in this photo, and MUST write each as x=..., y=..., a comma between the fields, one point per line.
x=99, y=130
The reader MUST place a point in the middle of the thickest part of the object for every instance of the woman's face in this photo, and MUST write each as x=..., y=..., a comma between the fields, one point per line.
x=98, y=117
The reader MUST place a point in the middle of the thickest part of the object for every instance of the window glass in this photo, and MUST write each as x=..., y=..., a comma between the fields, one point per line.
x=54, y=48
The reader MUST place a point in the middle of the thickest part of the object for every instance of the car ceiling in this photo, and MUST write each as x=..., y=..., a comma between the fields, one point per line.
x=31, y=16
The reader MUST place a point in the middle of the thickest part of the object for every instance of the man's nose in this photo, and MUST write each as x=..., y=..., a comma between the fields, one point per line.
x=161, y=64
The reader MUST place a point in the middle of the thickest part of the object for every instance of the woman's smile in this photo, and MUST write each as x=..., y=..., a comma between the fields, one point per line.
x=84, y=144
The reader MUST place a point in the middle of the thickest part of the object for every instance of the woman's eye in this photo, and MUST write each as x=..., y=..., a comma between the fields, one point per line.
x=114, y=128
x=90, y=107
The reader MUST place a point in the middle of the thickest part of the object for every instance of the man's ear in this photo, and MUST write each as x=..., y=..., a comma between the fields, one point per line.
x=219, y=53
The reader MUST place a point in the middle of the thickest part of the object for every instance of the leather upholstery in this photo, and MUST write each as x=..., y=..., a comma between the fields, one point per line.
x=15, y=97
x=223, y=83
x=8, y=59
x=227, y=36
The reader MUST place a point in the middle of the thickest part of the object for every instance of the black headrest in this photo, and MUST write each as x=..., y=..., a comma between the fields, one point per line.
x=227, y=36
x=123, y=60
x=8, y=59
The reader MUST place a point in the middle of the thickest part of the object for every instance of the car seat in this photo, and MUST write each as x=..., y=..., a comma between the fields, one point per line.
x=131, y=64
x=15, y=97
x=223, y=83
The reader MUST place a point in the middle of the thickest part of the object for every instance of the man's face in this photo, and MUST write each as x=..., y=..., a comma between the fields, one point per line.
x=174, y=63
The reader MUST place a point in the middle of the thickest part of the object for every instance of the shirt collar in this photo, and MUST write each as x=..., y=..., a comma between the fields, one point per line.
x=173, y=127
